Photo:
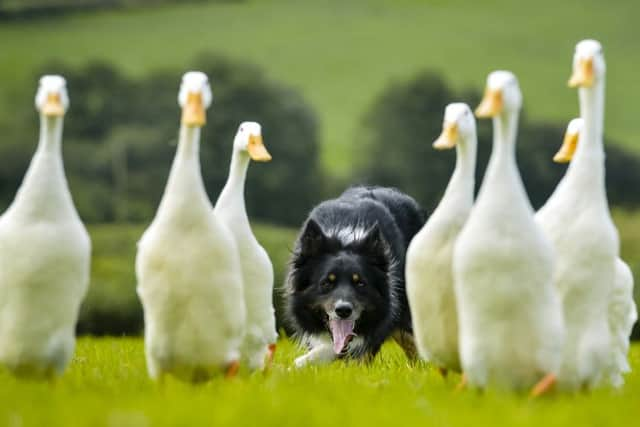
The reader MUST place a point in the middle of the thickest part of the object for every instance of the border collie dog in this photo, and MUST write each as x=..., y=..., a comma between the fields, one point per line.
x=345, y=290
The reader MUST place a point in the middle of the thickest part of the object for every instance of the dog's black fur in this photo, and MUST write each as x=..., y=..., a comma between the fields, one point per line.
x=366, y=232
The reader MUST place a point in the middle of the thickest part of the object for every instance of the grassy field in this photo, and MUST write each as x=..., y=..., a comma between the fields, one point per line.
x=107, y=385
x=342, y=54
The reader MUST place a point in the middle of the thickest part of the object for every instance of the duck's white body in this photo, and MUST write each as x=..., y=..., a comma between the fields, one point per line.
x=622, y=313
x=257, y=270
x=429, y=271
x=45, y=255
x=586, y=241
x=576, y=218
x=509, y=314
x=189, y=278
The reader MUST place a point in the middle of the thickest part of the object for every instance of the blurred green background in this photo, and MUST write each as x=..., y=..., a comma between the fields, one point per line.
x=347, y=92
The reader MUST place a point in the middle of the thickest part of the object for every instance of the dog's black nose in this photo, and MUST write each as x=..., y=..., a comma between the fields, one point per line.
x=344, y=309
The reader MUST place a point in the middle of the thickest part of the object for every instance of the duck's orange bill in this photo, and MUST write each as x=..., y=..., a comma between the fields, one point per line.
x=193, y=111
x=257, y=150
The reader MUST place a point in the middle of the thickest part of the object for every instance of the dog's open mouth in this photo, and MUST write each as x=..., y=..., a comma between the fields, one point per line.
x=341, y=333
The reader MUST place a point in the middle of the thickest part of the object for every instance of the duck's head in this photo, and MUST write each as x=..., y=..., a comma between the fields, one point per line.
x=52, y=99
x=194, y=98
x=588, y=64
x=501, y=94
x=457, y=126
x=570, y=142
x=249, y=140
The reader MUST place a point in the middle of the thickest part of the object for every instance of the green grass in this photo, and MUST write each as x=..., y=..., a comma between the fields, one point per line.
x=107, y=385
x=342, y=55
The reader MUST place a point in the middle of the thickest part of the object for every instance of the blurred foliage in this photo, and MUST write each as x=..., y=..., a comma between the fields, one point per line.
x=20, y=9
x=120, y=136
x=407, y=117
x=112, y=306
x=628, y=223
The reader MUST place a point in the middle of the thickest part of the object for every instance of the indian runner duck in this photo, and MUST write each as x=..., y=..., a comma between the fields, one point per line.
x=187, y=266
x=45, y=254
x=622, y=311
x=576, y=218
x=509, y=314
x=257, y=271
x=429, y=272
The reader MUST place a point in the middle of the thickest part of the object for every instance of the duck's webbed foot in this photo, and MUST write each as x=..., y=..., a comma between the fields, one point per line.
x=545, y=385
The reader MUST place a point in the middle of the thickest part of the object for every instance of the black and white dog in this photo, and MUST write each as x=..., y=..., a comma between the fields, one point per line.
x=345, y=291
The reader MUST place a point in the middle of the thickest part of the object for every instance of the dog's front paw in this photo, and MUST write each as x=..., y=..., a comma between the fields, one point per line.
x=301, y=361
x=318, y=355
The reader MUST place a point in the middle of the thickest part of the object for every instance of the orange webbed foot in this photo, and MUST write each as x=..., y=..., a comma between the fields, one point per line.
x=232, y=369
x=269, y=357
x=462, y=384
x=545, y=385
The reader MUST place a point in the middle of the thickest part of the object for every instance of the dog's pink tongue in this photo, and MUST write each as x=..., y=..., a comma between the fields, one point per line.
x=342, y=332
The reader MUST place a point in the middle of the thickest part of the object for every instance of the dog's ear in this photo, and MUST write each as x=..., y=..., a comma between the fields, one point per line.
x=312, y=239
x=374, y=245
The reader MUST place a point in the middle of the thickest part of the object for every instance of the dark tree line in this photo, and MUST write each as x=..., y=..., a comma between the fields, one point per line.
x=33, y=9
x=120, y=136
x=407, y=118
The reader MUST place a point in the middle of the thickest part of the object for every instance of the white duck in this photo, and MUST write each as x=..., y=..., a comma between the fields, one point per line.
x=187, y=266
x=576, y=218
x=622, y=312
x=45, y=254
x=429, y=271
x=257, y=270
x=509, y=314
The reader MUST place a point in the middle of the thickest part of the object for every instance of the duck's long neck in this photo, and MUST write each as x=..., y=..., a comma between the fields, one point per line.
x=462, y=180
x=502, y=173
x=51, y=136
x=185, y=187
x=232, y=195
x=44, y=191
x=588, y=161
x=503, y=153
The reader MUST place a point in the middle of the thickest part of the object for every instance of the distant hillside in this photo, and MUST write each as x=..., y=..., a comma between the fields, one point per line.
x=343, y=54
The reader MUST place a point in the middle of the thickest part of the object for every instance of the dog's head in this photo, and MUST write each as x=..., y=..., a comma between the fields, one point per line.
x=340, y=285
